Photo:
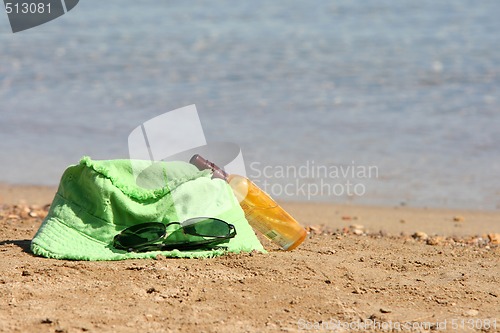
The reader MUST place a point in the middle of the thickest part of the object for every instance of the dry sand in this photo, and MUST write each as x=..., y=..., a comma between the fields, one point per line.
x=368, y=267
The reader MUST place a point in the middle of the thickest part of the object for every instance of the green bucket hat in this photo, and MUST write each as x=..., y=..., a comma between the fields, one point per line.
x=98, y=199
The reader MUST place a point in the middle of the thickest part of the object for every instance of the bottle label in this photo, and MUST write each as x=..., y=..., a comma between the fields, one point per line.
x=261, y=223
x=271, y=234
x=278, y=239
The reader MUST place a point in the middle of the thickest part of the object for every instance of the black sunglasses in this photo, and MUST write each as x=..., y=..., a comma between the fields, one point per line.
x=195, y=233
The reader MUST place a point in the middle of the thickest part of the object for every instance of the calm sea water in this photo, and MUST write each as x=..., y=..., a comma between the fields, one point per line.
x=410, y=87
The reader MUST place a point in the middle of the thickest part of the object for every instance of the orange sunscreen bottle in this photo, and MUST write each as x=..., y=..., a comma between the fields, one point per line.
x=261, y=211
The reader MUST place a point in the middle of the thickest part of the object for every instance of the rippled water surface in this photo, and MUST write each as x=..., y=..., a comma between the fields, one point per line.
x=411, y=87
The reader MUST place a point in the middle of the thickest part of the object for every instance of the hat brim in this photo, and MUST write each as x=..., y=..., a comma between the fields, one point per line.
x=59, y=241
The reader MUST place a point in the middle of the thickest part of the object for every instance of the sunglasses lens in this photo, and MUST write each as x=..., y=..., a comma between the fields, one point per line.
x=196, y=233
x=140, y=234
x=207, y=227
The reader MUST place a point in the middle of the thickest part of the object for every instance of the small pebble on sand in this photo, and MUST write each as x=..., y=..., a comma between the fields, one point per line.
x=471, y=313
x=420, y=235
x=494, y=238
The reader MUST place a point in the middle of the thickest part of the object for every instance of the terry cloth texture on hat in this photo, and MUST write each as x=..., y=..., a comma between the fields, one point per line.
x=98, y=199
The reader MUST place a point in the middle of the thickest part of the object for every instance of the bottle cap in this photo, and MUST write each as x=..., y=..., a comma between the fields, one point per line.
x=203, y=164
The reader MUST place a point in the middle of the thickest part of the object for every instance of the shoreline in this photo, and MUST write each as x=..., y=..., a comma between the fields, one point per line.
x=397, y=220
x=12, y=194
x=388, y=220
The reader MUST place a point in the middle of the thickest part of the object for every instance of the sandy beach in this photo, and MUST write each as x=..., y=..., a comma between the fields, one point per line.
x=361, y=269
